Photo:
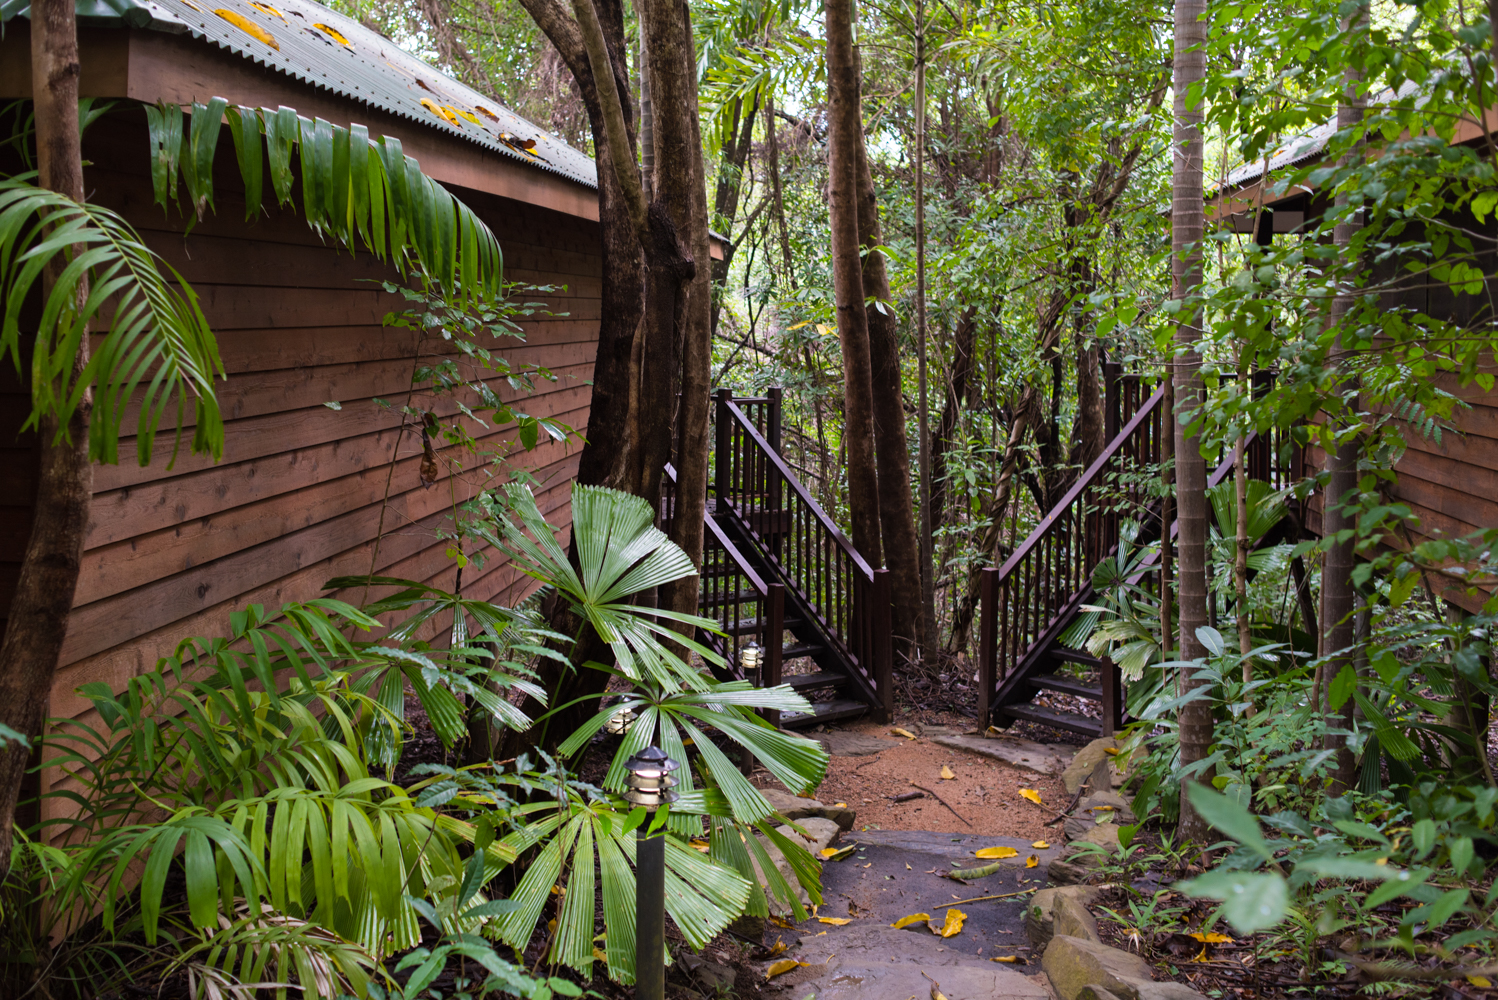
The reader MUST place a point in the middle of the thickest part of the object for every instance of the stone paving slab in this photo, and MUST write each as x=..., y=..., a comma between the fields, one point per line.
x=952, y=846
x=905, y=982
x=1036, y=757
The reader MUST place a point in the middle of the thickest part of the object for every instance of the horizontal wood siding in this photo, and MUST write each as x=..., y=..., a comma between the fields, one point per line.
x=304, y=492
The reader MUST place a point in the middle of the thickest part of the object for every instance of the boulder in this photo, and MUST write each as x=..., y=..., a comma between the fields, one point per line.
x=1082, y=766
x=1165, y=991
x=1095, y=803
x=1067, y=872
x=1094, y=992
x=1071, y=918
x=717, y=978
x=820, y=832
x=796, y=808
x=1104, y=835
x=1073, y=964
x=1040, y=914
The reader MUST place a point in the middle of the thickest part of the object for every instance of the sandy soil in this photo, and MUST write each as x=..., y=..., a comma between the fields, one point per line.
x=985, y=792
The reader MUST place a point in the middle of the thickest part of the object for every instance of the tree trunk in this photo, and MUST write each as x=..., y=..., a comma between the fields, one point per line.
x=1339, y=630
x=729, y=189
x=844, y=143
x=1187, y=224
x=1167, y=510
x=38, y=619
x=1240, y=549
x=891, y=449
x=697, y=353
x=964, y=345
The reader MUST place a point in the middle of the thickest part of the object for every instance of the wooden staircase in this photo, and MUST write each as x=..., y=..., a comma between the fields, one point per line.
x=780, y=577
x=1031, y=602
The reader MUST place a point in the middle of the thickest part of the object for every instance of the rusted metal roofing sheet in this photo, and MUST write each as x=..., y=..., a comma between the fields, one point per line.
x=317, y=45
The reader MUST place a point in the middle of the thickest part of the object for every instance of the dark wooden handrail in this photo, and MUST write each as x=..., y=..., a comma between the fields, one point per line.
x=835, y=590
x=828, y=525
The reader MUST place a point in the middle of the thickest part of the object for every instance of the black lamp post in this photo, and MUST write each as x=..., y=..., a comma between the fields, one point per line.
x=650, y=785
x=751, y=658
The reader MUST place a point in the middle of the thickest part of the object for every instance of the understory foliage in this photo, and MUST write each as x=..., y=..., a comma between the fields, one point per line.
x=235, y=816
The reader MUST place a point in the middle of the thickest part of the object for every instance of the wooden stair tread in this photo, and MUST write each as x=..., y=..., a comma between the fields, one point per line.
x=1068, y=685
x=751, y=626
x=801, y=649
x=825, y=711
x=815, y=680
x=1068, y=721
x=1068, y=655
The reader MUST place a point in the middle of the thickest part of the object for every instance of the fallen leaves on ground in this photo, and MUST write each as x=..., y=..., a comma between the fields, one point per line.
x=903, y=732
x=1006, y=958
x=783, y=966
x=1032, y=861
x=1032, y=795
x=835, y=921
x=952, y=925
x=1210, y=938
x=948, y=773
x=996, y=852
x=837, y=853
x=914, y=918
x=1040, y=845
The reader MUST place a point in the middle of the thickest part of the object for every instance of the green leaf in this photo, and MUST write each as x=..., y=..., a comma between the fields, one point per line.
x=1342, y=686
x=244, y=128
x=1252, y=901
x=1230, y=817
x=164, y=125
x=1423, y=834
x=1461, y=855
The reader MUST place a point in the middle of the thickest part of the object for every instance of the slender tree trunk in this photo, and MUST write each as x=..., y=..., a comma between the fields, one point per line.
x=1187, y=225
x=924, y=549
x=697, y=355
x=845, y=142
x=1167, y=512
x=38, y=619
x=1240, y=549
x=964, y=345
x=1338, y=601
x=728, y=191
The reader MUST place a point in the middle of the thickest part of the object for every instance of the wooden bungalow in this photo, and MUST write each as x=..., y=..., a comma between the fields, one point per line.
x=305, y=492
x=1450, y=485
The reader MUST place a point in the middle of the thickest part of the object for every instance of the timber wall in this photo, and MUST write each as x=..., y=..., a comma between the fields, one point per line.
x=303, y=489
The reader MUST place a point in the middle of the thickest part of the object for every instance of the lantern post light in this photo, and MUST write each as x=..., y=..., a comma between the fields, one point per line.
x=650, y=785
x=750, y=658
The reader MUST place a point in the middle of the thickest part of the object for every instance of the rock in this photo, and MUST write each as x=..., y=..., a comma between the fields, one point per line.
x=1039, y=915
x=1086, y=762
x=1072, y=964
x=1071, y=918
x=1064, y=872
x=821, y=832
x=1164, y=991
x=974, y=981
x=797, y=808
x=1094, y=992
x=717, y=978
x=841, y=743
x=1104, y=835
x=1090, y=804
x=1011, y=750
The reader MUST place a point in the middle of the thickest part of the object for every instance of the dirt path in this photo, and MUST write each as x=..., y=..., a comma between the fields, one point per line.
x=985, y=792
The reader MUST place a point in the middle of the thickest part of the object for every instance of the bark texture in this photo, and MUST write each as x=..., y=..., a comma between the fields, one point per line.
x=1338, y=600
x=38, y=619
x=845, y=141
x=1187, y=224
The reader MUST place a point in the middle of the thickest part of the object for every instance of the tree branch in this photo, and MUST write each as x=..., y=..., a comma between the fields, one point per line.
x=625, y=170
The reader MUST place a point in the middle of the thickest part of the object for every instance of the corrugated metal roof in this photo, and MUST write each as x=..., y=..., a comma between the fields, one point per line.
x=320, y=46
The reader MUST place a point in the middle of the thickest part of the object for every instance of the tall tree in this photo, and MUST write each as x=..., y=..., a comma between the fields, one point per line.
x=1188, y=223
x=1338, y=599
x=844, y=146
x=38, y=619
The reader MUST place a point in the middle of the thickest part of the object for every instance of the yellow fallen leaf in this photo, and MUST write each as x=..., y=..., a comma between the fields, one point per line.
x=835, y=921
x=1211, y=938
x=947, y=773
x=248, y=27
x=700, y=845
x=1004, y=958
x=1032, y=861
x=952, y=925
x=936, y=994
x=332, y=33
x=908, y=868
x=1481, y=982
x=869, y=865
x=777, y=947
x=266, y=8
x=1111, y=751
x=1031, y=794
x=600, y=956
x=837, y=853
x=470, y=116
x=820, y=934
x=839, y=805
x=996, y=852
x=1101, y=808
x=781, y=967
x=914, y=918
x=1040, y=845
x=903, y=732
